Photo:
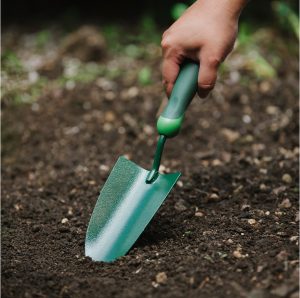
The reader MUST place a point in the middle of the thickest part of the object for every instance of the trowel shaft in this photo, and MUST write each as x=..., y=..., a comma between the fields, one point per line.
x=157, y=159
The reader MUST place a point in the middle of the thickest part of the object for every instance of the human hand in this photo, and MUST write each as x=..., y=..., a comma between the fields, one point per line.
x=205, y=33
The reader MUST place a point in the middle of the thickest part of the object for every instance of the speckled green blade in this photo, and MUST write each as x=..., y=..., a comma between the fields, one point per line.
x=125, y=206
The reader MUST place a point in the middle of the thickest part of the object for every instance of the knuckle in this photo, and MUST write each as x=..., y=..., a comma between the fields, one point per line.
x=213, y=61
x=167, y=32
x=166, y=42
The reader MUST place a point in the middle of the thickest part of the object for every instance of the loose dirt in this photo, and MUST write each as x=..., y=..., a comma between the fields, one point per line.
x=224, y=231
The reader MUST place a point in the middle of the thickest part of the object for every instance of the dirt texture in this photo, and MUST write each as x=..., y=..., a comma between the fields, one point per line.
x=228, y=229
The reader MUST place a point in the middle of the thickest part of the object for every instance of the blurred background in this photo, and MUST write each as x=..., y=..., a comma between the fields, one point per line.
x=81, y=85
x=50, y=44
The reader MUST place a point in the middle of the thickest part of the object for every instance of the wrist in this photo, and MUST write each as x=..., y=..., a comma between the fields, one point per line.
x=232, y=8
x=235, y=7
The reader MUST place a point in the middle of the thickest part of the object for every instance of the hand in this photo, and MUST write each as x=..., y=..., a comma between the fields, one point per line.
x=206, y=33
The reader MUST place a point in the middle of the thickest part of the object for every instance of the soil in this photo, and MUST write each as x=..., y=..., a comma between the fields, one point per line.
x=228, y=229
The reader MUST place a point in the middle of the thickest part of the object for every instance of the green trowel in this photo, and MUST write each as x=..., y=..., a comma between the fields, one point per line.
x=132, y=195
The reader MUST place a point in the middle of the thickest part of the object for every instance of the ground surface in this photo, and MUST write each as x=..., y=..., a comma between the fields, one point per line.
x=228, y=229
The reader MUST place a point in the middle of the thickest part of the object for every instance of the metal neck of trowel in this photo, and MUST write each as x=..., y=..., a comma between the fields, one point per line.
x=169, y=122
x=157, y=158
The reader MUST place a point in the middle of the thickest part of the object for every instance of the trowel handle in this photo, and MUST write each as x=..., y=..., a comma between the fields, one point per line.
x=185, y=88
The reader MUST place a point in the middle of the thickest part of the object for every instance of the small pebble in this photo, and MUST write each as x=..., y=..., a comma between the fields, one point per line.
x=238, y=189
x=164, y=169
x=285, y=204
x=245, y=207
x=33, y=76
x=132, y=92
x=262, y=187
x=247, y=119
x=237, y=254
x=104, y=168
x=248, y=139
x=70, y=85
x=148, y=130
x=107, y=127
x=287, y=178
x=279, y=190
x=199, y=214
x=216, y=163
x=294, y=238
x=180, y=205
x=267, y=213
x=180, y=183
x=260, y=212
x=267, y=158
x=263, y=171
x=191, y=280
x=35, y=107
x=161, y=278
x=265, y=86
x=272, y=110
x=64, y=220
x=282, y=256
x=18, y=206
x=251, y=221
x=110, y=95
x=138, y=271
x=230, y=135
x=259, y=268
x=213, y=197
x=121, y=130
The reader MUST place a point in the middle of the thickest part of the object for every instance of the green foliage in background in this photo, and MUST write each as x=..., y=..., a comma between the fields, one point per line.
x=113, y=35
x=288, y=19
x=11, y=63
x=177, y=10
x=42, y=38
x=144, y=76
x=261, y=50
x=148, y=30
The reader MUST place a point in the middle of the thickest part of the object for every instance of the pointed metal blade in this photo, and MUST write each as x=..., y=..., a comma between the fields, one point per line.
x=124, y=208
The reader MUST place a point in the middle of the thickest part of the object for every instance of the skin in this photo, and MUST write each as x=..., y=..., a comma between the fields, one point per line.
x=205, y=33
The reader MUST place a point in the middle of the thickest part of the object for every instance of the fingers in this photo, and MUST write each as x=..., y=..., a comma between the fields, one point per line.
x=208, y=74
x=174, y=55
x=171, y=63
x=170, y=70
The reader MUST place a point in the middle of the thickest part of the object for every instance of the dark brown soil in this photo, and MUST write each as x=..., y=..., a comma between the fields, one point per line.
x=59, y=151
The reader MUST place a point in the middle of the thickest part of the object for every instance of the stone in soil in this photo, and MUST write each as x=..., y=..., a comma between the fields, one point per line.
x=161, y=278
x=285, y=204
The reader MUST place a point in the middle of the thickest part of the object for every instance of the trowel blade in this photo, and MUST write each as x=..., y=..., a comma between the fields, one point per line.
x=124, y=208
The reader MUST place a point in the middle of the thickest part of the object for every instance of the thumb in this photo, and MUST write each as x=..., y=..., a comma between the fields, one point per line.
x=208, y=74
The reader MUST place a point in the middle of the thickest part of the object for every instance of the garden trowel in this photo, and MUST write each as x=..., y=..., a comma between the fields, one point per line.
x=132, y=195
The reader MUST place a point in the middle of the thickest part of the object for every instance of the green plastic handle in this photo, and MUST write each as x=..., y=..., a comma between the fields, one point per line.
x=184, y=90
